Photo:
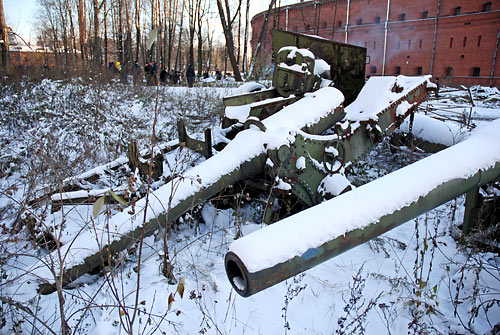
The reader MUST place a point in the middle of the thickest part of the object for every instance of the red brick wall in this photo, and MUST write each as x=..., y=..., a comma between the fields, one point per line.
x=465, y=38
x=26, y=58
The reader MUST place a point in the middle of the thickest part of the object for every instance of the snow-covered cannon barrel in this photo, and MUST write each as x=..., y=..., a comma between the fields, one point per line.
x=300, y=242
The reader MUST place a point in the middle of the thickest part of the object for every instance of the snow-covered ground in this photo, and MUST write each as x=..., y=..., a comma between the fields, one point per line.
x=414, y=279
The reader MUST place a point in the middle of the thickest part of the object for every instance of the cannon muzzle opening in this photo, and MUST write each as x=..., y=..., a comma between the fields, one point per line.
x=237, y=274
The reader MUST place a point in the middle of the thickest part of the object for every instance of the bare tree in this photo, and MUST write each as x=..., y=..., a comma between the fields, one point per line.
x=72, y=38
x=120, y=31
x=179, y=45
x=245, y=45
x=171, y=22
x=202, y=11
x=49, y=27
x=192, y=12
x=137, y=28
x=128, y=34
x=261, y=37
x=238, y=39
x=63, y=20
x=210, y=38
x=156, y=24
x=227, y=26
x=4, y=36
x=97, y=39
x=82, y=28
x=105, y=33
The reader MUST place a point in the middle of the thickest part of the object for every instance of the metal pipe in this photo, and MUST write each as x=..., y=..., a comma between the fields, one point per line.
x=347, y=20
x=269, y=273
x=435, y=36
x=494, y=59
x=286, y=18
x=385, y=36
x=334, y=20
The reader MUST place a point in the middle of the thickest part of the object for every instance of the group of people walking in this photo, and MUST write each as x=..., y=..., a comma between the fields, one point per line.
x=165, y=77
x=170, y=77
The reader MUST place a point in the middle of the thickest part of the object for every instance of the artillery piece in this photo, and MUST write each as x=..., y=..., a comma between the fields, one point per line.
x=297, y=135
x=289, y=247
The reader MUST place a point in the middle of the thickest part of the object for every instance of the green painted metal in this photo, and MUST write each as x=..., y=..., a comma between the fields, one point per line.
x=347, y=71
x=362, y=139
x=349, y=147
x=248, y=98
x=258, y=281
x=201, y=147
x=266, y=109
x=304, y=181
x=261, y=109
x=295, y=80
x=473, y=203
x=347, y=62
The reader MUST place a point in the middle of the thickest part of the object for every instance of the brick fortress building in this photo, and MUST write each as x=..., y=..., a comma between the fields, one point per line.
x=454, y=40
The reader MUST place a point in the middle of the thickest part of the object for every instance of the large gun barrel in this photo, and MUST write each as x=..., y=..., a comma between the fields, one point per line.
x=300, y=242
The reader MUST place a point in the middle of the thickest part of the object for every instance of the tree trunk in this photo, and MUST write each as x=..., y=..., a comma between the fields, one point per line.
x=72, y=30
x=261, y=38
x=238, y=52
x=137, y=29
x=82, y=28
x=199, y=19
x=245, y=56
x=97, y=38
x=65, y=33
x=97, y=42
x=192, y=17
x=4, y=35
x=172, y=20
x=164, y=28
x=200, y=54
x=128, y=35
x=210, y=46
x=106, y=34
x=179, y=45
x=120, y=31
x=228, y=34
x=159, y=37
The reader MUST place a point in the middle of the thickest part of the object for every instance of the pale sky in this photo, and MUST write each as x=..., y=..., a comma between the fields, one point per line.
x=21, y=14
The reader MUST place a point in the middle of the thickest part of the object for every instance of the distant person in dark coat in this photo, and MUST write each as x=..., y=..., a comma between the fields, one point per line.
x=190, y=75
x=136, y=71
x=155, y=72
x=148, y=71
x=163, y=76
x=124, y=73
x=438, y=84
